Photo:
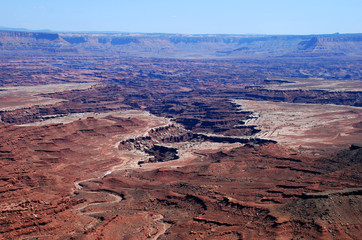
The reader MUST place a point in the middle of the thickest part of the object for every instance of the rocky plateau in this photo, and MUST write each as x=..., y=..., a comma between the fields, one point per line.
x=162, y=136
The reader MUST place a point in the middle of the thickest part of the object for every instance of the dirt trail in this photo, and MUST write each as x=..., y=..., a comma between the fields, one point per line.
x=163, y=227
x=79, y=187
x=127, y=160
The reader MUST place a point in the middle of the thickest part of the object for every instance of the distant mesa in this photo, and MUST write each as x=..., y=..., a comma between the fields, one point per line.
x=75, y=40
x=178, y=45
x=308, y=44
x=123, y=40
x=47, y=36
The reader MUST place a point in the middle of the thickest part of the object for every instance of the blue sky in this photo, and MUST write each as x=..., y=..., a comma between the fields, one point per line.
x=186, y=16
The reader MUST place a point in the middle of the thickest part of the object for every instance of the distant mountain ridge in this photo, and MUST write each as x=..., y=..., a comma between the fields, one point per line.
x=23, y=29
x=181, y=45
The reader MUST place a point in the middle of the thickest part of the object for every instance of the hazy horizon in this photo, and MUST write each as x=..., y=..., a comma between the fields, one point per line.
x=5, y=28
x=260, y=17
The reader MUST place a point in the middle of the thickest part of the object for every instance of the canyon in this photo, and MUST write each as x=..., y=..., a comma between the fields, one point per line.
x=165, y=136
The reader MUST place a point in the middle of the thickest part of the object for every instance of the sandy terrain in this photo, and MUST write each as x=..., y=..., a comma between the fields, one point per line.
x=305, y=126
x=316, y=84
x=12, y=98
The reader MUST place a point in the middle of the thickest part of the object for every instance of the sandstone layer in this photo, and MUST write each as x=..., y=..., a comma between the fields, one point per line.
x=96, y=145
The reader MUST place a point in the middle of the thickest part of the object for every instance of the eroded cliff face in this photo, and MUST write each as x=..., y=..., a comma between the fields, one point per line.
x=251, y=191
x=345, y=44
x=89, y=167
x=105, y=147
x=174, y=45
x=15, y=43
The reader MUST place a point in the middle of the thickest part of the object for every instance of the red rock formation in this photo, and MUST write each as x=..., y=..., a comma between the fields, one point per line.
x=88, y=166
